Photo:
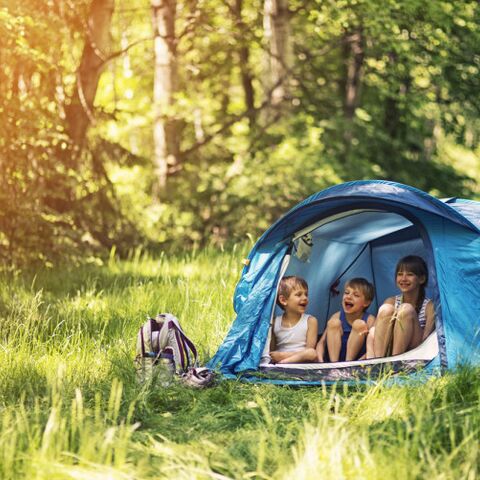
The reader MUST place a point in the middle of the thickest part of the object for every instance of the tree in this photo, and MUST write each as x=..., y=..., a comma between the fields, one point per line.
x=244, y=62
x=371, y=93
x=278, y=48
x=80, y=111
x=353, y=54
x=165, y=133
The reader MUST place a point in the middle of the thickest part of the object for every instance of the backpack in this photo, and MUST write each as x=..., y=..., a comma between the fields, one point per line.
x=163, y=350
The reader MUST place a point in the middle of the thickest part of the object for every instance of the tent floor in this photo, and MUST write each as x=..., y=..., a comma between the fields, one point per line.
x=407, y=362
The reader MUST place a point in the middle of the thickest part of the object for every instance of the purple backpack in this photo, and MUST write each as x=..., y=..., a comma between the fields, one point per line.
x=163, y=350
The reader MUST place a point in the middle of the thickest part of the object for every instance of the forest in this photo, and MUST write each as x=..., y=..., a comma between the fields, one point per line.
x=144, y=146
x=181, y=124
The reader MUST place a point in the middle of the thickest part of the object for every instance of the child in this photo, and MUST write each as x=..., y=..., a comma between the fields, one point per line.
x=405, y=320
x=346, y=332
x=295, y=332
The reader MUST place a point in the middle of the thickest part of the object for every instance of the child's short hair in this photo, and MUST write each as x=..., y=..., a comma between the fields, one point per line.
x=363, y=285
x=288, y=284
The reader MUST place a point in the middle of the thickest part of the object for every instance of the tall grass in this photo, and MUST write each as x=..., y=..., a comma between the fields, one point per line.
x=71, y=407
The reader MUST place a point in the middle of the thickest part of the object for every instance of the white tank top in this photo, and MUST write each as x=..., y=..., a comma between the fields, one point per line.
x=293, y=338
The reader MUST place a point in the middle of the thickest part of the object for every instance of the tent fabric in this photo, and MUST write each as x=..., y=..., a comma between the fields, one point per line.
x=244, y=344
x=353, y=193
x=362, y=229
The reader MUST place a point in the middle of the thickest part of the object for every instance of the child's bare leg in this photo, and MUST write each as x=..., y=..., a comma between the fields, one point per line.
x=356, y=339
x=407, y=330
x=334, y=338
x=320, y=349
x=307, y=355
x=383, y=329
x=370, y=340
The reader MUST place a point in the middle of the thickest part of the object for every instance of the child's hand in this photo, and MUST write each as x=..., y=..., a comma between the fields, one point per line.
x=276, y=356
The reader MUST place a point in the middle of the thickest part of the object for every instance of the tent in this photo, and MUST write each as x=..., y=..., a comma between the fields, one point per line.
x=356, y=229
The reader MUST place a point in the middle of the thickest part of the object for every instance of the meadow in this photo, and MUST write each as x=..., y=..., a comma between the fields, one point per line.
x=71, y=407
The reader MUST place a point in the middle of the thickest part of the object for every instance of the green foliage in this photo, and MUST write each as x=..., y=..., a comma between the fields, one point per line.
x=56, y=202
x=31, y=139
x=372, y=93
x=405, y=94
x=71, y=407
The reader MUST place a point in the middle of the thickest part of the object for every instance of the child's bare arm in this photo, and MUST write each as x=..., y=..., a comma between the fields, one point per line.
x=277, y=357
x=321, y=346
x=273, y=343
x=430, y=320
x=306, y=355
x=312, y=332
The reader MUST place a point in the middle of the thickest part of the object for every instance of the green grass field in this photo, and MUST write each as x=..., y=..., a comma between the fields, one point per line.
x=72, y=409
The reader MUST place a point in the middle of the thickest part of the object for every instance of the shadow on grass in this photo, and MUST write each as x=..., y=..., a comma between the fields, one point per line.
x=74, y=280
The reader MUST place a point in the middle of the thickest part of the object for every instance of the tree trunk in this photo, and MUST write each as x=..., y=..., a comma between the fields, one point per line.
x=79, y=113
x=394, y=125
x=276, y=24
x=244, y=64
x=354, y=56
x=165, y=131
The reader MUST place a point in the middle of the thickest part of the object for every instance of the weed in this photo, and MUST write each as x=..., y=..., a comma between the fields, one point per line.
x=72, y=408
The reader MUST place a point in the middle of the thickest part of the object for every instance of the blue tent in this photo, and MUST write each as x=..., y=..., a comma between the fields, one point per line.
x=360, y=229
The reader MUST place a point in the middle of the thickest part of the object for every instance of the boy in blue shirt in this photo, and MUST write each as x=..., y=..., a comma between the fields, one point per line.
x=344, y=338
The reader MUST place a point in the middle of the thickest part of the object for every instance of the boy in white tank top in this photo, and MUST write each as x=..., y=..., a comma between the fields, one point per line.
x=295, y=332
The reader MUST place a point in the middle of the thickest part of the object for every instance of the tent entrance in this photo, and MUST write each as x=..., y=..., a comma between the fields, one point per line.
x=359, y=243
x=356, y=243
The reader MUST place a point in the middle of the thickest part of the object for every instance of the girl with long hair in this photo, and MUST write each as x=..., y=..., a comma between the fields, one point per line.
x=405, y=320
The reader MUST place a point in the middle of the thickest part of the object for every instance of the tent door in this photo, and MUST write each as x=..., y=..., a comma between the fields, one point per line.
x=266, y=351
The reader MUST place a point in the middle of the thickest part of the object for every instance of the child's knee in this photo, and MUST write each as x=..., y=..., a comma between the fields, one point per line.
x=406, y=316
x=371, y=334
x=334, y=324
x=310, y=355
x=386, y=310
x=406, y=309
x=360, y=327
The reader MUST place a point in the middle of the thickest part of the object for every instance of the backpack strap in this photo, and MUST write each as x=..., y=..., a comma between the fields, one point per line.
x=152, y=326
x=180, y=347
x=189, y=343
x=142, y=341
x=185, y=346
x=184, y=354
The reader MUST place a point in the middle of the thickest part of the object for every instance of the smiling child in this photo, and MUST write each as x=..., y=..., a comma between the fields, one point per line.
x=346, y=331
x=294, y=332
x=406, y=320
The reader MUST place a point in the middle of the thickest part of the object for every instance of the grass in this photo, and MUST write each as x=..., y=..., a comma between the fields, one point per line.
x=72, y=409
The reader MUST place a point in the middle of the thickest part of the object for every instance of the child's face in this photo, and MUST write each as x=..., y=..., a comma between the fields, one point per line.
x=409, y=282
x=354, y=300
x=296, y=302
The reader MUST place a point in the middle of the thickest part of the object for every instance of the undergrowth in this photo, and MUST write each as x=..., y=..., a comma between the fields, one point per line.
x=71, y=406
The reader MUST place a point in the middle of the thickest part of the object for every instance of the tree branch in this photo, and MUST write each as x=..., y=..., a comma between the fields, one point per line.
x=118, y=53
x=208, y=138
